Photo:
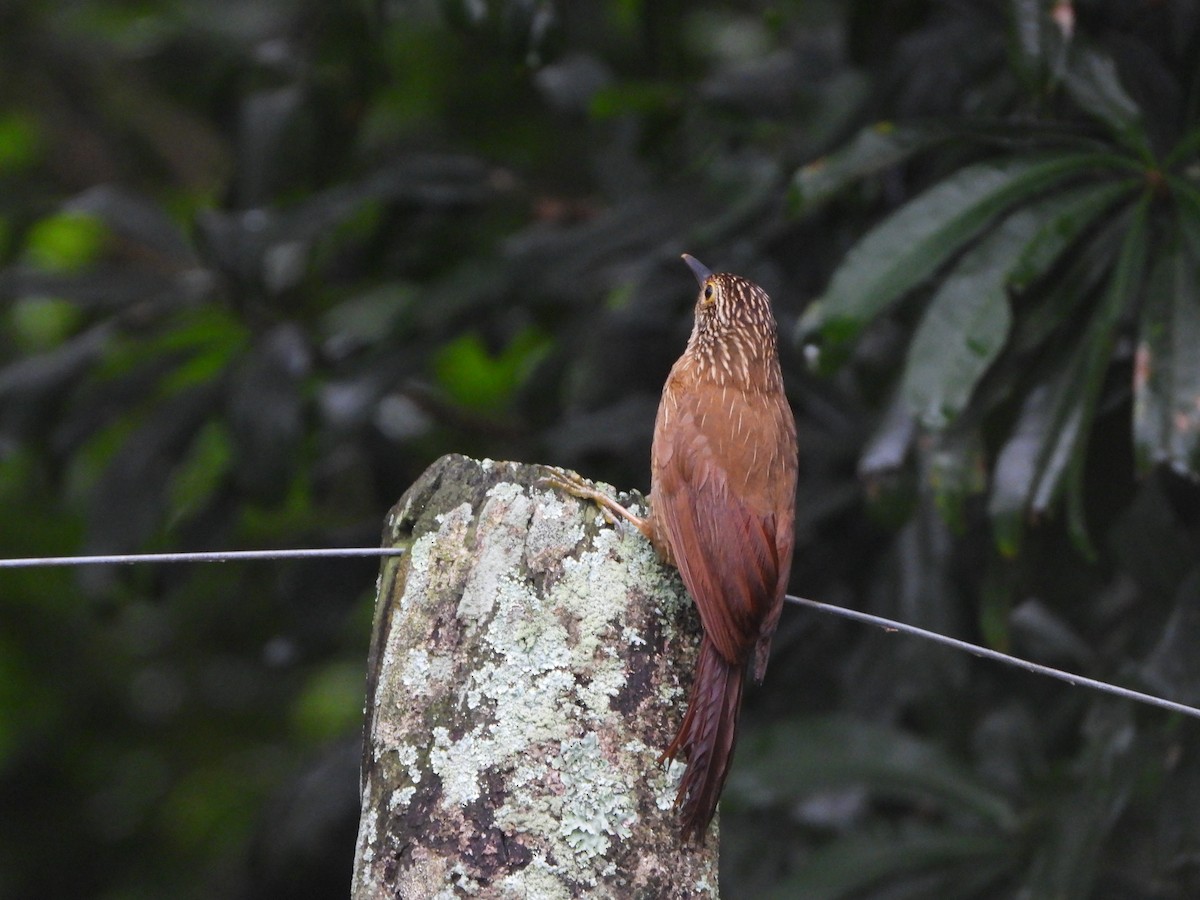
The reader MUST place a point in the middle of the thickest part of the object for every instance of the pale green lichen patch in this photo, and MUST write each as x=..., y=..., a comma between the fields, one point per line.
x=436, y=567
x=436, y=560
x=537, y=880
x=408, y=757
x=666, y=784
x=422, y=672
x=554, y=531
x=595, y=805
x=457, y=763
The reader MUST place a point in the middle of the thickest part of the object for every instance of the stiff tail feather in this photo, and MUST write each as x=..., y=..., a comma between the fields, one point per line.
x=707, y=737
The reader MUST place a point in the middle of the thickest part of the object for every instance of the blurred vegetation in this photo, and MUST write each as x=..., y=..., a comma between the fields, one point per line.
x=262, y=263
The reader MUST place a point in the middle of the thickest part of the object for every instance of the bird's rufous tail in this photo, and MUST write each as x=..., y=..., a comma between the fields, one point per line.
x=707, y=737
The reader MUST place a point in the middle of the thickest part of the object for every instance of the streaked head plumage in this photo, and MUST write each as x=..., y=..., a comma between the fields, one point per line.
x=734, y=324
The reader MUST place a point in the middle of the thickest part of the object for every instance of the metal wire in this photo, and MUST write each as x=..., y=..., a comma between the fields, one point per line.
x=843, y=612
x=201, y=556
x=997, y=656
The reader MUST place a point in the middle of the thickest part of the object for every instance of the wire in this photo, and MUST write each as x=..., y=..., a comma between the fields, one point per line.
x=997, y=656
x=843, y=612
x=202, y=556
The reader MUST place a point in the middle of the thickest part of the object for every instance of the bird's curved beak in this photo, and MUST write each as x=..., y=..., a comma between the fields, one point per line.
x=698, y=269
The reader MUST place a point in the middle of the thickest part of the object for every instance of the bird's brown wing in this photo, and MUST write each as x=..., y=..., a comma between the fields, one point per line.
x=711, y=497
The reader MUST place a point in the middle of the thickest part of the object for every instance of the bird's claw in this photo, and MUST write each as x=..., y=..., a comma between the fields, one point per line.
x=567, y=482
x=574, y=484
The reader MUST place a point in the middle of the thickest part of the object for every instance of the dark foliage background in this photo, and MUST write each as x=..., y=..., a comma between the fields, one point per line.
x=262, y=263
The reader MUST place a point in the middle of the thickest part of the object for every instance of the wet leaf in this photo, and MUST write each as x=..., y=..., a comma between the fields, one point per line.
x=1123, y=291
x=1063, y=223
x=965, y=325
x=199, y=345
x=911, y=244
x=1049, y=439
x=1020, y=461
x=926, y=595
x=1147, y=543
x=1042, y=634
x=1050, y=308
x=632, y=97
x=1166, y=384
x=967, y=322
x=274, y=137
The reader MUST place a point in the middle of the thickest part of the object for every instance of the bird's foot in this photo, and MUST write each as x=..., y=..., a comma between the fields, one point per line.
x=614, y=513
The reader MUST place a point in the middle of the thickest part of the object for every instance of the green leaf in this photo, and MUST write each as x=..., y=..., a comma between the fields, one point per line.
x=1095, y=353
x=856, y=862
x=1065, y=221
x=996, y=591
x=1021, y=459
x=1124, y=288
x=1092, y=81
x=65, y=242
x=799, y=756
x=1043, y=313
x=201, y=471
x=330, y=705
x=20, y=142
x=965, y=325
x=875, y=148
x=43, y=323
x=967, y=322
x=201, y=345
x=1185, y=148
x=1078, y=392
x=476, y=378
x=1051, y=431
x=640, y=97
x=1166, y=383
x=369, y=317
x=915, y=241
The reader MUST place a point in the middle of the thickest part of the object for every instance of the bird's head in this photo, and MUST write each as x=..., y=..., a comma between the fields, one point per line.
x=731, y=303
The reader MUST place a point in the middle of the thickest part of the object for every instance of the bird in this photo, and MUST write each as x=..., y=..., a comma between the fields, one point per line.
x=723, y=469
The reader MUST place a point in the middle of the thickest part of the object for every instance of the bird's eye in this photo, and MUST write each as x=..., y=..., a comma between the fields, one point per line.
x=708, y=292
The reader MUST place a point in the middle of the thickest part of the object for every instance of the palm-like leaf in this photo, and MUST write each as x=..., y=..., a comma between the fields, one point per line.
x=1028, y=297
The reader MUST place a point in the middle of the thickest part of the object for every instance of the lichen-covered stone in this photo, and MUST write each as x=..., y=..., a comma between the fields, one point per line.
x=528, y=665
